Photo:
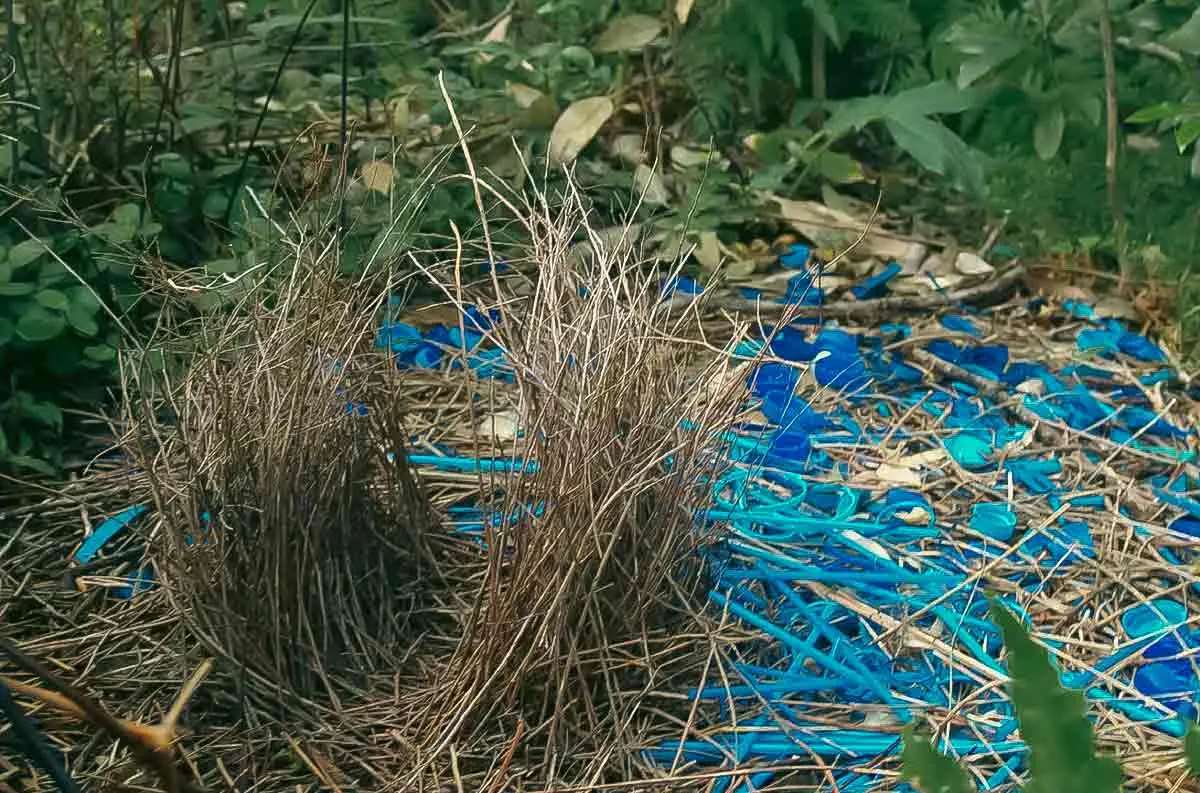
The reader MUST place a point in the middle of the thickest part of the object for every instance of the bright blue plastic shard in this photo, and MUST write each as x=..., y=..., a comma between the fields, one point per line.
x=796, y=257
x=960, y=324
x=106, y=531
x=876, y=285
x=969, y=450
x=1079, y=310
x=1186, y=524
x=683, y=284
x=773, y=378
x=841, y=367
x=792, y=344
x=802, y=291
x=994, y=520
x=1154, y=616
x=1032, y=474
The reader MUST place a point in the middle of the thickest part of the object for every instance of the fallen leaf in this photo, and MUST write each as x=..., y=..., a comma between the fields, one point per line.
x=650, y=185
x=630, y=148
x=897, y=475
x=378, y=176
x=576, y=127
x=400, y=115
x=685, y=157
x=708, y=251
x=683, y=9
x=830, y=228
x=522, y=94
x=628, y=34
x=926, y=459
x=1114, y=307
x=500, y=427
x=969, y=263
x=494, y=36
x=872, y=546
x=912, y=259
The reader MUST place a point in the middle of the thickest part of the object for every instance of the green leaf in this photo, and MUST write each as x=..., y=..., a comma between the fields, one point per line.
x=790, y=58
x=127, y=216
x=25, y=253
x=825, y=19
x=83, y=319
x=1187, y=36
x=100, y=353
x=38, y=323
x=32, y=464
x=1191, y=747
x=17, y=289
x=936, y=98
x=1053, y=720
x=6, y=331
x=1159, y=112
x=53, y=299
x=921, y=139
x=45, y=413
x=1048, y=132
x=928, y=769
x=1186, y=133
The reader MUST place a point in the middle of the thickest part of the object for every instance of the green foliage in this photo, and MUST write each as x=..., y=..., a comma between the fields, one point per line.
x=1192, y=748
x=1053, y=719
x=1053, y=722
x=996, y=104
x=930, y=770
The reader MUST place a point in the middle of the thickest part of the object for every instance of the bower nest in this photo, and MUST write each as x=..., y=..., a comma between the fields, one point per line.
x=534, y=558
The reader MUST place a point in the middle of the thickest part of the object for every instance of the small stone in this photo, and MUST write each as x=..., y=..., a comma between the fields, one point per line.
x=969, y=263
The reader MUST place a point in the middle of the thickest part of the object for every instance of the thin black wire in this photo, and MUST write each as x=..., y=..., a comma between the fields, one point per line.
x=345, y=124
x=35, y=746
x=262, y=113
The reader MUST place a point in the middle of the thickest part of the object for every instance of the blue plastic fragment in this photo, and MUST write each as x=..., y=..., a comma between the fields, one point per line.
x=960, y=324
x=876, y=285
x=106, y=531
x=996, y=521
x=796, y=257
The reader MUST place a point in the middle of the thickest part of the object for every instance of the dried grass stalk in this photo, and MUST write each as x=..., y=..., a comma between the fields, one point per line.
x=294, y=533
x=596, y=553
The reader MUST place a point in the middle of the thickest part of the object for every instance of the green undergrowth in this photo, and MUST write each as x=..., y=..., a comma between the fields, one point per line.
x=1053, y=722
x=146, y=143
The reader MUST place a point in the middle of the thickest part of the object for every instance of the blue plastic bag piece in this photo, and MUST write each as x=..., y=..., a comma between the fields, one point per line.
x=397, y=336
x=842, y=367
x=135, y=582
x=772, y=377
x=1157, y=376
x=1020, y=371
x=1086, y=370
x=750, y=293
x=1033, y=474
x=1140, y=347
x=796, y=257
x=1153, y=616
x=990, y=360
x=792, y=344
x=502, y=266
x=876, y=285
x=480, y=321
x=1079, y=310
x=994, y=520
x=1136, y=417
x=969, y=450
x=680, y=283
x=946, y=350
x=1186, y=524
x=888, y=328
x=1188, y=505
x=902, y=372
x=801, y=291
x=791, y=445
x=960, y=324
